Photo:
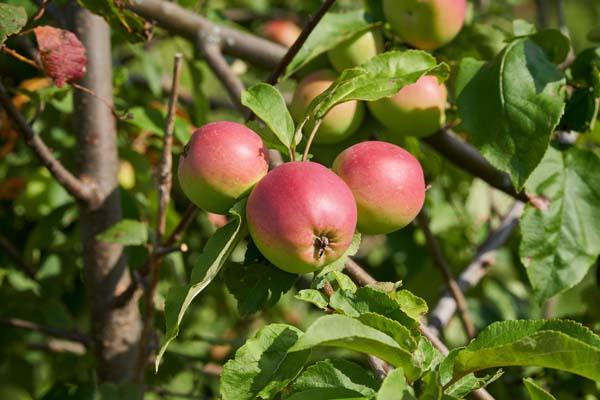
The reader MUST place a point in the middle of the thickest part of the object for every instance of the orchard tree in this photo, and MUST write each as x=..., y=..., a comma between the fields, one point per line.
x=379, y=199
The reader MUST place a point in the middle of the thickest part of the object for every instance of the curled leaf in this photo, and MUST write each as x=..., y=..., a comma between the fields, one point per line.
x=63, y=55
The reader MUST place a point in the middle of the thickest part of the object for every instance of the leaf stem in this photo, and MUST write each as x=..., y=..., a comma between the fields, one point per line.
x=313, y=133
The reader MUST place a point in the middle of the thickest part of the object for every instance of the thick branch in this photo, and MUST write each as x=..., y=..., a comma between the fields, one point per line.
x=209, y=44
x=440, y=261
x=180, y=21
x=83, y=192
x=292, y=51
x=58, y=333
x=115, y=332
x=468, y=158
x=446, y=307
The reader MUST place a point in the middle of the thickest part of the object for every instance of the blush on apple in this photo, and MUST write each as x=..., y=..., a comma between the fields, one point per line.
x=301, y=216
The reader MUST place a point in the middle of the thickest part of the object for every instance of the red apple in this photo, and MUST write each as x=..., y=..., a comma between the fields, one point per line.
x=426, y=24
x=282, y=31
x=221, y=163
x=416, y=110
x=387, y=183
x=340, y=122
x=356, y=51
x=301, y=216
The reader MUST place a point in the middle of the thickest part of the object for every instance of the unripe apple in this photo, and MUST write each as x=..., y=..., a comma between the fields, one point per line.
x=282, y=31
x=426, y=24
x=416, y=110
x=340, y=122
x=356, y=51
x=387, y=183
x=301, y=216
x=221, y=163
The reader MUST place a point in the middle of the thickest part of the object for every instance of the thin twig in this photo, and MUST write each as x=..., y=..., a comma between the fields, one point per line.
x=20, y=57
x=292, y=51
x=440, y=262
x=40, y=12
x=209, y=44
x=313, y=133
x=470, y=277
x=14, y=253
x=542, y=13
x=72, y=335
x=83, y=192
x=164, y=190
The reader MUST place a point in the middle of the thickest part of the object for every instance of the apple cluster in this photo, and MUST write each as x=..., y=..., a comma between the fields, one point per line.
x=303, y=215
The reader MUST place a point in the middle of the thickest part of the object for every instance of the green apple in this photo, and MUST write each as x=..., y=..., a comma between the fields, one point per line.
x=356, y=51
x=416, y=110
x=340, y=122
x=426, y=24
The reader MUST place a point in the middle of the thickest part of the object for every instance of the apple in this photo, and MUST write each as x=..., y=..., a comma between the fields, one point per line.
x=220, y=165
x=426, y=24
x=416, y=110
x=356, y=51
x=282, y=31
x=301, y=216
x=340, y=122
x=387, y=182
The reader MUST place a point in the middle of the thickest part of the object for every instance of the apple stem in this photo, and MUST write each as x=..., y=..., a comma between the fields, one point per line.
x=311, y=138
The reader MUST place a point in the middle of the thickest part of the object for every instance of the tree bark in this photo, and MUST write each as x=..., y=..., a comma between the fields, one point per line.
x=116, y=332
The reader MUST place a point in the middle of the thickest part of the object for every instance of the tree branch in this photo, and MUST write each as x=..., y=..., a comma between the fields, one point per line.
x=182, y=22
x=14, y=253
x=72, y=335
x=470, y=277
x=292, y=51
x=465, y=156
x=209, y=43
x=81, y=191
x=164, y=190
x=115, y=332
x=440, y=261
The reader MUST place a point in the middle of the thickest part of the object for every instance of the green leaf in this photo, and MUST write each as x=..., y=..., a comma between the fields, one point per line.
x=562, y=345
x=264, y=365
x=12, y=19
x=365, y=300
x=535, y=391
x=523, y=103
x=332, y=30
x=335, y=376
x=581, y=111
x=470, y=383
x=128, y=24
x=313, y=296
x=392, y=328
x=431, y=388
x=594, y=34
x=382, y=76
x=257, y=285
x=268, y=105
x=215, y=254
x=349, y=333
x=523, y=28
x=413, y=305
x=127, y=232
x=560, y=244
x=394, y=387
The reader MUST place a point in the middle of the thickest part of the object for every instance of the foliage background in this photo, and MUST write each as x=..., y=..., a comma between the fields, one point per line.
x=40, y=219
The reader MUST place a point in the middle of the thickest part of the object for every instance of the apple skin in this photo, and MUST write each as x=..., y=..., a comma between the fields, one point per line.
x=356, y=51
x=426, y=24
x=282, y=31
x=341, y=122
x=222, y=162
x=416, y=110
x=387, y=182
x=293, y=209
